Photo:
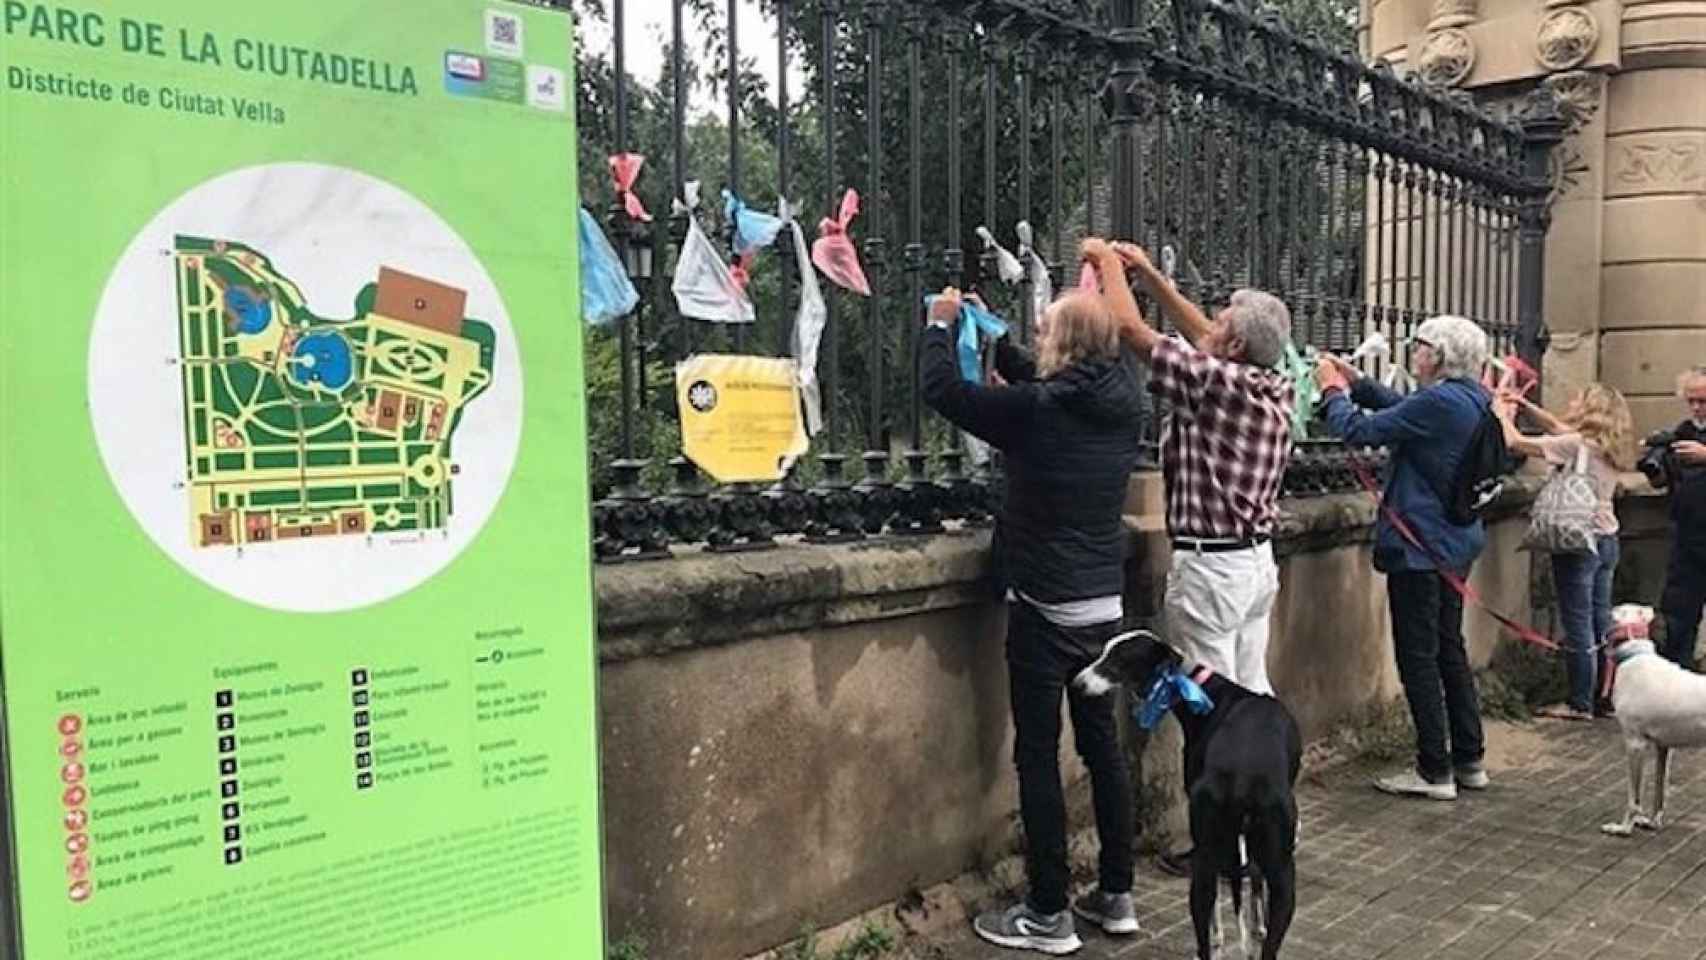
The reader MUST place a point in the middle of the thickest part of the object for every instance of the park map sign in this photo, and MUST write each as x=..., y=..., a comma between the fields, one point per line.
x=296, y=634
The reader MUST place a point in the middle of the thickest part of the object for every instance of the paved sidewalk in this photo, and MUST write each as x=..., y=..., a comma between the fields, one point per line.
x=1516, y=873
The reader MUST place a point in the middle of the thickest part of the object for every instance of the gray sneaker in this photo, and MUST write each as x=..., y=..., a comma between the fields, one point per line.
x=1113, y=912
x=1473, y=776
x=1021, y=928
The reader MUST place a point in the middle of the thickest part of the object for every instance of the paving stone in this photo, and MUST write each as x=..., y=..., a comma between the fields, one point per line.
x=1518, y=873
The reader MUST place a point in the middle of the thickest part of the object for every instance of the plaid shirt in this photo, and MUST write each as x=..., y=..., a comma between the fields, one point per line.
x=1224, y=444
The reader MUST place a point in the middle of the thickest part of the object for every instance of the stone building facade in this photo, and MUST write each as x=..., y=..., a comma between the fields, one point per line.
x=1626, y=256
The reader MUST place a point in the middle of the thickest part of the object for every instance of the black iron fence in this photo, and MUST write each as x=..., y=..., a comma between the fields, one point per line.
x=1252, y=154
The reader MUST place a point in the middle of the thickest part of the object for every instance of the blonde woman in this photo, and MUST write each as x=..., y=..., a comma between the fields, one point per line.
x=1069, y=422
x=1596, y=423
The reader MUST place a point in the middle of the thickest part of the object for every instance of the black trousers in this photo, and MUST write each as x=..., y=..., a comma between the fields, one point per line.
x=1684, y=596
x=1427, y=634
x=1042, y=659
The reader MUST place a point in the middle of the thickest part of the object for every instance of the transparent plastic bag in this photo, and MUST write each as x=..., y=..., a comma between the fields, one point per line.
x=606, y=291
x=1007, y=266
x=809, y=321
x=625, y=169
x=704, y=286
x=834, y=252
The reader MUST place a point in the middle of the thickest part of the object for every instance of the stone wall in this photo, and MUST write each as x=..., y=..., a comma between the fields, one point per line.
x=1625, y=292
x=795, y=736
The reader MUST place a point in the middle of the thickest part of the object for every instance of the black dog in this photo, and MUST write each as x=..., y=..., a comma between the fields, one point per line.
x=1242, y=760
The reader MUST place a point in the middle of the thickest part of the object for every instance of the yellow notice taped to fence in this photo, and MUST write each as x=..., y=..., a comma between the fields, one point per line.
x=740, y=416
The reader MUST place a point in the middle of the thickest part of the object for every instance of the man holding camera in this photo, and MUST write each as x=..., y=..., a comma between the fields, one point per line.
x=1676, y=460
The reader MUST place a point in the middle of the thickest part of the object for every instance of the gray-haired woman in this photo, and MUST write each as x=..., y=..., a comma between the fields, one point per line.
x=1429, y=434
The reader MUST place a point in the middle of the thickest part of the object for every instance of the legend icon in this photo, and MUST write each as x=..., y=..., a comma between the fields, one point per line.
x=359, y=698
x=74, y=796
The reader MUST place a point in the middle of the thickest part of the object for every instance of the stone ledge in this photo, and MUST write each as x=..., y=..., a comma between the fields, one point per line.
x=706, y=599
x=702, y=599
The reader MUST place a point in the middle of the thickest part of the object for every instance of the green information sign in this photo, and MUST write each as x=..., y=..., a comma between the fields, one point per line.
x=295, y=593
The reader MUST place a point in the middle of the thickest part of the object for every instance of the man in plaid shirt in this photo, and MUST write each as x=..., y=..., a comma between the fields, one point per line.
x=1224, y=448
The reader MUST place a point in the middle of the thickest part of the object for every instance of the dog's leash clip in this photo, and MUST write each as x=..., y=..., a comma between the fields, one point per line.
x=1171, y=687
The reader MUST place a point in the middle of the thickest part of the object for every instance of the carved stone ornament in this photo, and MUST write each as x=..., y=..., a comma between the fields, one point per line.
x=1566, y=38
x=1578, y=94
x=1447, y=57
x=1452, y=13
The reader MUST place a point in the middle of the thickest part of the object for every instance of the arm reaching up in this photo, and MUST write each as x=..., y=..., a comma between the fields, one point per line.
x=1515, y=439
x=1541, y=415
x=1136, y=334
x=1192, y=322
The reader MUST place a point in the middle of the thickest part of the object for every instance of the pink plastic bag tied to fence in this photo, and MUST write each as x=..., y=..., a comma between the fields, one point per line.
x=1089, y=281
x=834, y=252
x=625, y=168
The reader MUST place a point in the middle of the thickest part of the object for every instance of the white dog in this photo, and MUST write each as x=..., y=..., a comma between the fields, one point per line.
x=1660, y=706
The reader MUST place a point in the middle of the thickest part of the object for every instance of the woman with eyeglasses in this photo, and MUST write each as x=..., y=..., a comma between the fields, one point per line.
x=1429, y=433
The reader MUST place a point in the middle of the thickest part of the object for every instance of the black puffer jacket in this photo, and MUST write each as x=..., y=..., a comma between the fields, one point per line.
x=1071, y=442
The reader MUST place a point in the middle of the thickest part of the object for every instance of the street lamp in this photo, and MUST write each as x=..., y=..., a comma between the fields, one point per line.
x=637, y=250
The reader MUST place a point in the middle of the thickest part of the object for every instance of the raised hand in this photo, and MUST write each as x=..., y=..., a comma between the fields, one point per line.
x=1133, y=256
x=946, y=309
x=1329, y=376
x=1095, y=249
x=1691, y=451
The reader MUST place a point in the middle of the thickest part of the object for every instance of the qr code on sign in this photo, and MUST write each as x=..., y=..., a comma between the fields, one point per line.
x=503, y=33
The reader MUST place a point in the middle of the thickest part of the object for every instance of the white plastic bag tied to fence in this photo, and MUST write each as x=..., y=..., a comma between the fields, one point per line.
x=704, y=286
x=1042, y=286
x=1007, y=266
x=606, y=291
x=809, y=321
x=1378, y=348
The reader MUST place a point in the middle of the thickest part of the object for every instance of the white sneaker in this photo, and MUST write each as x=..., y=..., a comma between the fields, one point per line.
x=1473, y=777
x=1412, y=784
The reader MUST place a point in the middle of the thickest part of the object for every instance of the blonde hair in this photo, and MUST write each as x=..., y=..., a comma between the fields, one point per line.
x=1080, y=327
x=1601, y=415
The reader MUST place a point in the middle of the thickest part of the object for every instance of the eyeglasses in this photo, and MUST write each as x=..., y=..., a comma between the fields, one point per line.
x=1419, y=342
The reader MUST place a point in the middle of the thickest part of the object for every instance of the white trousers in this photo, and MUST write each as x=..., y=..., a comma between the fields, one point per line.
x=1219, y=607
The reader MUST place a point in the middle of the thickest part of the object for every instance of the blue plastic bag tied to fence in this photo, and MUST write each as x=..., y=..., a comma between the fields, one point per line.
x=753, y=230
x=1170, y=688
x=606, y=291
x=974, y=320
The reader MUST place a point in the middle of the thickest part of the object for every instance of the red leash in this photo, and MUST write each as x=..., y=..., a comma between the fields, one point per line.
x=1462, y=587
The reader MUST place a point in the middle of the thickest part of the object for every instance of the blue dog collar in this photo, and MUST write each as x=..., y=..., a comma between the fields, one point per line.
x=1171, y=687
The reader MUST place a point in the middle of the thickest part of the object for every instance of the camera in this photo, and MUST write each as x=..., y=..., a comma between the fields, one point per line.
x=1655, y=459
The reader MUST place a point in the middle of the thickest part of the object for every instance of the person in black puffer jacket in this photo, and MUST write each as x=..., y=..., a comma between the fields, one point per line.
x=1069, y=423
x=1681, y=468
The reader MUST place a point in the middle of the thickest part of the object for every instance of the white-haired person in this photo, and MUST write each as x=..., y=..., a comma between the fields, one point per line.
x=1681, y=468
x=1224, y=449
x=1429, y=433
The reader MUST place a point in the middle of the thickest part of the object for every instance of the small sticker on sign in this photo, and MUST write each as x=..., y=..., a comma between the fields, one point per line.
x=547, y=88
x=504, y=33
x=465, y=66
